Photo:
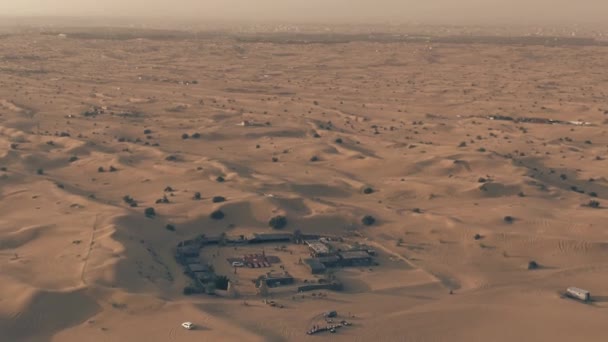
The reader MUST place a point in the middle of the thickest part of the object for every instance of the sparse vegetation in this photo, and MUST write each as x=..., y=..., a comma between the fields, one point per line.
x=368, y=190
x=314, y=158
x=197, y=196
x=129, y=200
x=477, y=237
x=101, y=169
x=338, y=141
x=40, y=171
x=113, y=169
x=368, y=220
x=593, y=204
x=218, y=199
x=150, y=212
x=170, y=227
x=220, y=179
x=73, y=159
x=509, y=219
x=217, y=215
x=163, y=200
x=185, y=136
x=278, y=222
x=532, y=265
x=196, y=135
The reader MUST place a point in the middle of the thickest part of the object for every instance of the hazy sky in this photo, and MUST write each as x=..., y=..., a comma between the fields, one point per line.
x=486, y=11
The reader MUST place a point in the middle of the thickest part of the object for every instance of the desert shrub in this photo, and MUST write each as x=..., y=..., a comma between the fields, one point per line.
x=477, y=237
x=218, y=199
x=185, y=136
x=481, y=149
x=509, y=219
x=521, y=194
x=338, y=141
x=532, y=265
x=314, y=158
x=129, y=200
x=417, y=210
x=316, y=135
x=197, y=196
x=101, y=169
x=147, y=131
x=150, y=212
x=196, y=135
x=220, y=179
x=563, y=176
x=278, y=222
x=593, y=194
x=368, y=220
x=170, y=227
x=462, y=144
x=169, y=189
x=40, y=171
x=113, y=169
x=163, y=200
x=221, y=282
x=217, y=215
x=171, y=158
x=368, y=190
x=73, y=159
x=593, y=204
x=14, y=146
x=482, y=180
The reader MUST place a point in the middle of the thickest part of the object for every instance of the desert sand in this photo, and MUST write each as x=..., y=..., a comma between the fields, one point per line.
x=408, y=119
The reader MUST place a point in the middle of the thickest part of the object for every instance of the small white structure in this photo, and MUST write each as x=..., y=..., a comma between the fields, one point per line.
x=580, y=294
x=188, y=325
x=237, y=264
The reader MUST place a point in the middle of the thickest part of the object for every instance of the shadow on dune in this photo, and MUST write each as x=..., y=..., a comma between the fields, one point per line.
x=562, y=178
x=47, y=313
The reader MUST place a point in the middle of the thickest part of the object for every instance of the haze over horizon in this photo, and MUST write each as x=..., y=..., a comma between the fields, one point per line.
x=330, y=11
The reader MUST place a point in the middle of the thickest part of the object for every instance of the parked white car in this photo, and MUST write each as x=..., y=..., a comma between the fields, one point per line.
x=188, y=325
x=237, y=264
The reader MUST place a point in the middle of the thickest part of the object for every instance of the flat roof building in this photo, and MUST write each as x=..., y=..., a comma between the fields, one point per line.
x=317, y=248
x=355, y=258
x=276, y=237
x=277, y=279
x=315, y=266
x=198, y=267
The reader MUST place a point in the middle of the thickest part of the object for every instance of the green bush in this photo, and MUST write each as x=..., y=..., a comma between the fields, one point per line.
x=278, y=222
x=217, y=215
x=150, y=212
x=368, y=220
